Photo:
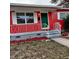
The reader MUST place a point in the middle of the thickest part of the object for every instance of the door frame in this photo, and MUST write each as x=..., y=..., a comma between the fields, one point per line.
x=48, y=20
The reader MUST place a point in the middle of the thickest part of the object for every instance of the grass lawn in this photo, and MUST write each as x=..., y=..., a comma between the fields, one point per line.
x=39, y=50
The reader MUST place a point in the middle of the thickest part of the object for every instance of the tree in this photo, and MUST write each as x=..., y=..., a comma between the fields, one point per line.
x=54, y=1
x=64, y=3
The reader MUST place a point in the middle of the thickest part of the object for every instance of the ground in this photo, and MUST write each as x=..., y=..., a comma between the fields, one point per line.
x=39, y=50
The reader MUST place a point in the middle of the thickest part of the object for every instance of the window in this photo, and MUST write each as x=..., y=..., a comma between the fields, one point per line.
x=62, y=15
x=20, y=18
x=24, y=18
x=29, y=18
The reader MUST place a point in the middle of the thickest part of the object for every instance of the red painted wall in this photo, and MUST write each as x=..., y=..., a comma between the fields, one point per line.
x=24, y=28
x=52, y=19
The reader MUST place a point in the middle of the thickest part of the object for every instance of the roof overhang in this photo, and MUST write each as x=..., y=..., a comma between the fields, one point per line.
x=36, y=6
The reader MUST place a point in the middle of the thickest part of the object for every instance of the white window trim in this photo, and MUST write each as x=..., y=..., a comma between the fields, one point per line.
x=58, y=15
x=14, y=17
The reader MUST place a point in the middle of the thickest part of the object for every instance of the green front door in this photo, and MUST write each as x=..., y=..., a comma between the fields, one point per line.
x=44, y=20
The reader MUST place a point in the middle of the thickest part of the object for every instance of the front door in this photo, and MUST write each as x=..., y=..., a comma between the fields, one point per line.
x=44, y=19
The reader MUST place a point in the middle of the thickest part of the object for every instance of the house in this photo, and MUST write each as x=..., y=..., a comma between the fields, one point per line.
x=29, y=20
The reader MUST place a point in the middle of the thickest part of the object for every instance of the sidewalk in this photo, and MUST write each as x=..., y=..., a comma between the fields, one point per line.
x=62, y=41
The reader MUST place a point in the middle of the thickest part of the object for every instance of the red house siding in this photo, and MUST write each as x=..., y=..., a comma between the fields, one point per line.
x=52, y=19
x=25, y=28
x=14, y=28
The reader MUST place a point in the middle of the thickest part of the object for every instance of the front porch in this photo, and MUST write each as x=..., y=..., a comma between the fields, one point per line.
x=36, y=34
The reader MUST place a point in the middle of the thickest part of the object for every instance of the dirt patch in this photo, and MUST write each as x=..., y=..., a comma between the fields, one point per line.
x=39, y=50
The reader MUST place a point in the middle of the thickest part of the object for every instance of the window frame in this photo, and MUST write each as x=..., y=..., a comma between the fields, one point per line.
x=59, y=15
x=25, y=18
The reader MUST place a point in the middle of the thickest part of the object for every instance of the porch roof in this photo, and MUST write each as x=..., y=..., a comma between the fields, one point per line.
x=34, y=5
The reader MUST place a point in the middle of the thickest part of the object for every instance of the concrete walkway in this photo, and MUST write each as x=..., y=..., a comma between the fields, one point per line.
x=62, y=41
